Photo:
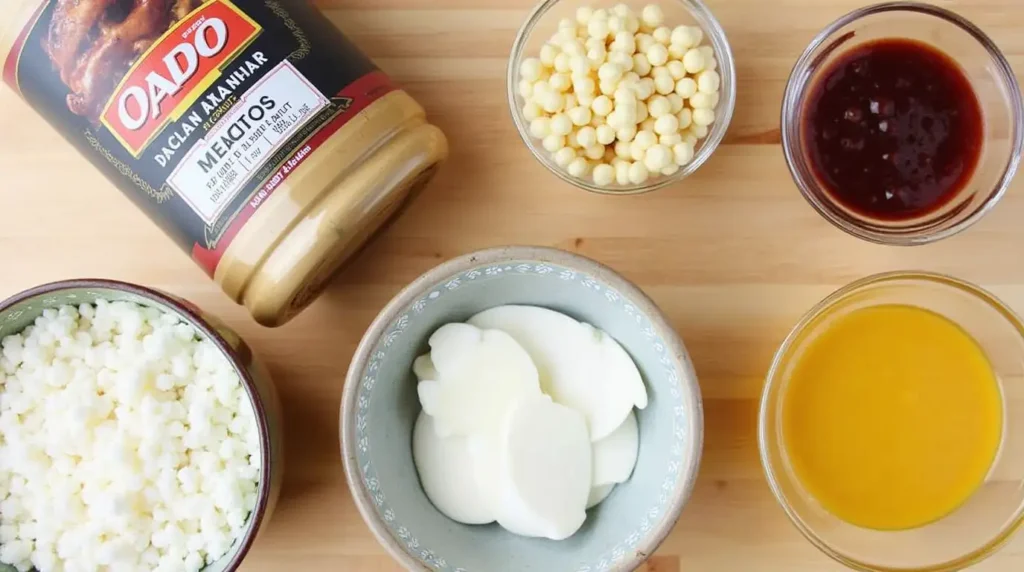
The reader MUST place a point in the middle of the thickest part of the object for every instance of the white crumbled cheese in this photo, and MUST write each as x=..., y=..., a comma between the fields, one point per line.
x=127, y=442
x=608, y=77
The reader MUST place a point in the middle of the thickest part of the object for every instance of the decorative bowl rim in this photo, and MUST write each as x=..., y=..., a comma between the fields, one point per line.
x=194, y=317
x=505, y=254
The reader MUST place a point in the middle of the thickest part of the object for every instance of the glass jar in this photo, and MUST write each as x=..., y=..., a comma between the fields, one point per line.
x=252, y=132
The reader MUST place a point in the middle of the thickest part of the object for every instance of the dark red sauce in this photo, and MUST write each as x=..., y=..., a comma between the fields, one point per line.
x=893, y=129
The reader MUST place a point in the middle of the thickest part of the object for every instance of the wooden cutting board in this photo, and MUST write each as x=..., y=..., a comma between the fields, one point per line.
x=734, y=256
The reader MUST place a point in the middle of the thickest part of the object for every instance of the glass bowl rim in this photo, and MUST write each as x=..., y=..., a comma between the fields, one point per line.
x=716, y=133
x=800, y=78
x=971, y=558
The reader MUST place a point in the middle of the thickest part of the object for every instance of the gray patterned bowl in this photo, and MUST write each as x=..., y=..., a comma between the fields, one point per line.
x=379, y=407
x=20, y=310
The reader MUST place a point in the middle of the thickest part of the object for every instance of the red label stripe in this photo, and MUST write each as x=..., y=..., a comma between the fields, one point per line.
x=11, y=65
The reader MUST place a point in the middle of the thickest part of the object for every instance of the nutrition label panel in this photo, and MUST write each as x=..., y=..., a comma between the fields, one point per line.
x=217, y=168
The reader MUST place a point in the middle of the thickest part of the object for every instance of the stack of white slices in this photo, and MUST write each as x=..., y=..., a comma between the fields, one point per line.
x=527, y=420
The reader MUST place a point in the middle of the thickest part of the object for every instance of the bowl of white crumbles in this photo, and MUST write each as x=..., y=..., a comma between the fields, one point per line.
x=136, y=433
x=621, y=97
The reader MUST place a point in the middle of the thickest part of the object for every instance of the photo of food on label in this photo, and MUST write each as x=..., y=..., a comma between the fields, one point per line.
x=92, y=71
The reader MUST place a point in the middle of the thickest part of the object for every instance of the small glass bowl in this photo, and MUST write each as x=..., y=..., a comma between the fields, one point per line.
x=993, y=513
x=994, y=84
x=543, y=23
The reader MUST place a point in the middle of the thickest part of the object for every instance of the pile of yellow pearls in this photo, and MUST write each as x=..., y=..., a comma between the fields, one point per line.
x=620, y=97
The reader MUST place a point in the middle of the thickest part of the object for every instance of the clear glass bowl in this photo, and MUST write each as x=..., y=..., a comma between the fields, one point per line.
x=993, y=82
x=543, y=23
x=988, y=519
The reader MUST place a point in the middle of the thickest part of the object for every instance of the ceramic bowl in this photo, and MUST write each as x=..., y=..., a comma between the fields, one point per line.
x=20, y=310
x=380, y=405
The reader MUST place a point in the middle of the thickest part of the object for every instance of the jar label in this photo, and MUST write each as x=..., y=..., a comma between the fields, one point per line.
x=265, y=118
x=196, y=109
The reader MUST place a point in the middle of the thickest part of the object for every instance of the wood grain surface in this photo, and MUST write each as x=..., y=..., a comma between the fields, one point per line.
x=733, y=255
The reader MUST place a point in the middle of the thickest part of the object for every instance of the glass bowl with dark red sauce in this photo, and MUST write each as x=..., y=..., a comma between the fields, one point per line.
x=902, y=123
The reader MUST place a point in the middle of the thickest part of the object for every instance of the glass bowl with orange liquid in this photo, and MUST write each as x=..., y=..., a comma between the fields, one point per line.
x=891, y=425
